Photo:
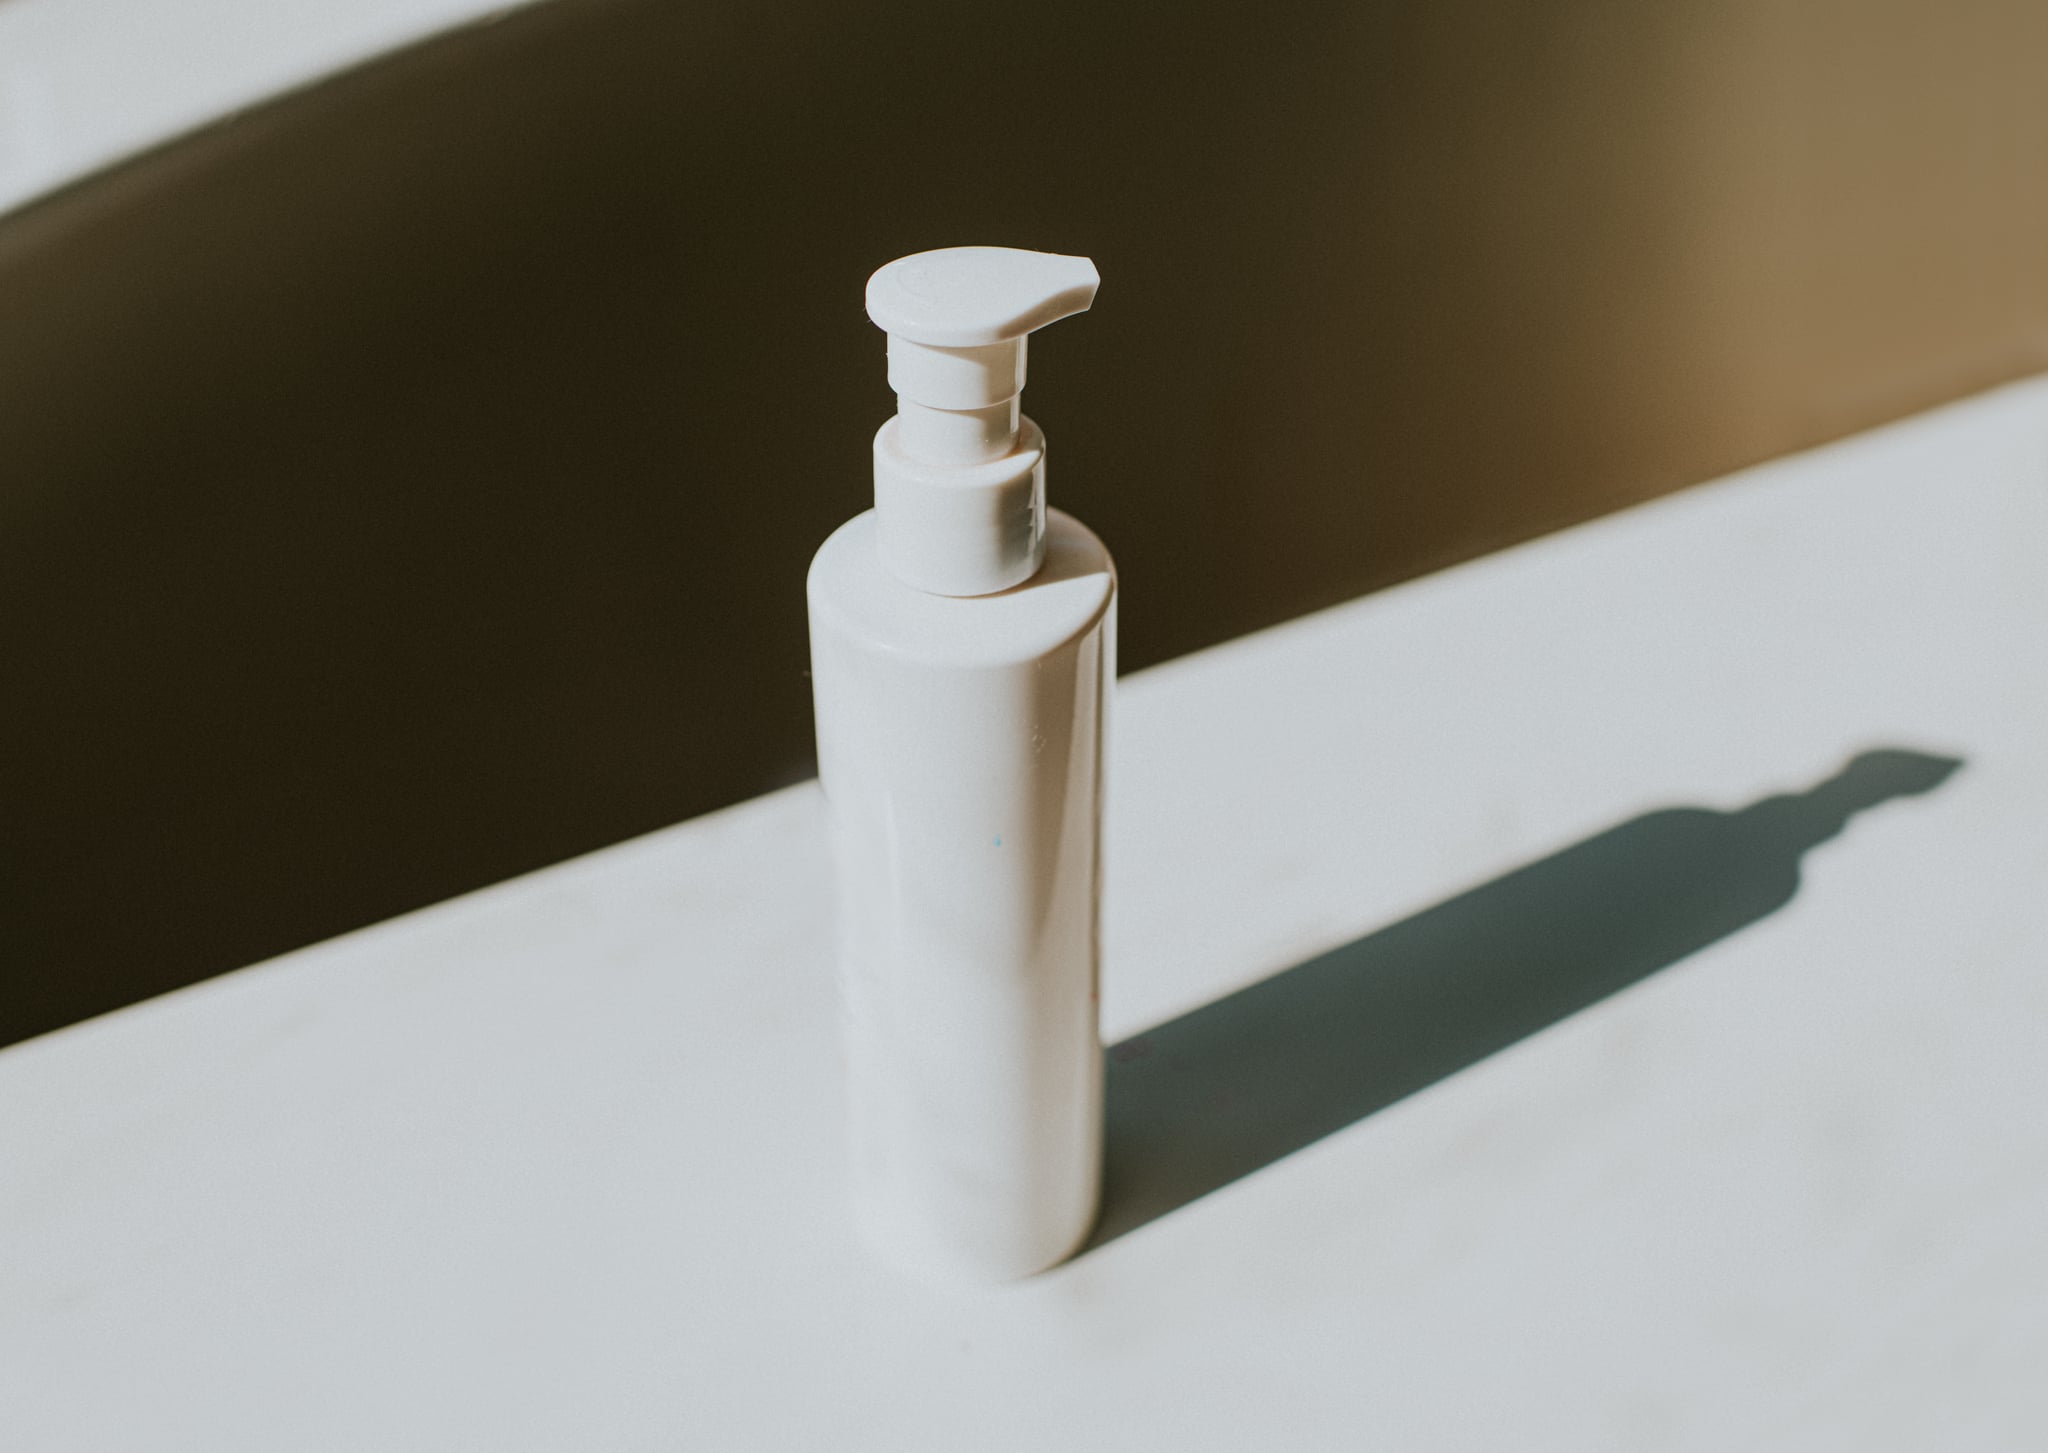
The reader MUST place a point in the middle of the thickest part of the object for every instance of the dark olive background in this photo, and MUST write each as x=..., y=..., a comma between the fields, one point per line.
x=410, y=483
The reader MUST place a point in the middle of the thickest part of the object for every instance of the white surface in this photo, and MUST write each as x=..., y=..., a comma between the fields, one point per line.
x=85, y=83
x=960, y=753
x=556, y=1165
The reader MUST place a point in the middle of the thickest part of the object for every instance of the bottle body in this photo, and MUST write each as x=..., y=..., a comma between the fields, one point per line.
x=960, y=747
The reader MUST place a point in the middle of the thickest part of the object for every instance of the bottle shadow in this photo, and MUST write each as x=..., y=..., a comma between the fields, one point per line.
x=1235, y=1085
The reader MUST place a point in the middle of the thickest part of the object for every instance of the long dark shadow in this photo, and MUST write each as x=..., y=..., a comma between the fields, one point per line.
x=1235, y=1085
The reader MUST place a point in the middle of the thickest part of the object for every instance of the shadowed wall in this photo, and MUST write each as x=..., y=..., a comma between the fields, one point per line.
x=386, y=502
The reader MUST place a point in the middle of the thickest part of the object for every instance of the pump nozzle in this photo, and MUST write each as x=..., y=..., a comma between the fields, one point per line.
x=957, y=319
x=963, y=297
x=959, y=472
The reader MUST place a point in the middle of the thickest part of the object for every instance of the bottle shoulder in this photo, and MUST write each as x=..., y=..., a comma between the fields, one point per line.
x=853, y=595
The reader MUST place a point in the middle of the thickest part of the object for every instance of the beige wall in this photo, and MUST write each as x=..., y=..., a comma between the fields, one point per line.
x=1590, y=253
x=383, y=507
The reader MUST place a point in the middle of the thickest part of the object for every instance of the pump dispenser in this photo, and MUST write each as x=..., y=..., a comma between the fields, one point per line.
x=963, y=642
x=959, y=472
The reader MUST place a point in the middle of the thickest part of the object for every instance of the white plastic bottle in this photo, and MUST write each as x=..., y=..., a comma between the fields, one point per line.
x=963, y=645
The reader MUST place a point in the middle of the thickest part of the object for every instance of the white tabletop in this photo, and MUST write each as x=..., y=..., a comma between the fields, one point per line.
x=556, y=1165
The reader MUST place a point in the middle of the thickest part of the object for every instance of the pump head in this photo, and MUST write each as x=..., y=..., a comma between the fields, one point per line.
x=959, y=472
